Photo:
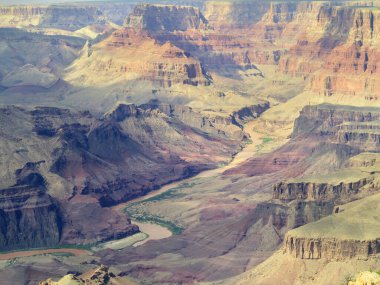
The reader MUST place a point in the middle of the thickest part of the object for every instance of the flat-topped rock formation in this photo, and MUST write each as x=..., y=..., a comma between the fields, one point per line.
x=331, y=48
x=169, y=18
x=351, y=233
x=354, y=126
x=287, y=191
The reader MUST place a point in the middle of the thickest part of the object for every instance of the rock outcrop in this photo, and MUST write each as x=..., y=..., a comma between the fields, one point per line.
x=248, y=113
x=98, y=276
x=287, y=191
x=349, y=233
x=227, y=126
x=353, y=179
x=169, y=18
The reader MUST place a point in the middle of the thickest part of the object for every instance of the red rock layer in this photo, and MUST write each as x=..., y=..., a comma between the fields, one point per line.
x=130, y=52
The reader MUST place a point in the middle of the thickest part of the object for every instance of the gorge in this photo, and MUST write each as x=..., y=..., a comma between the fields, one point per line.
x=246, y=132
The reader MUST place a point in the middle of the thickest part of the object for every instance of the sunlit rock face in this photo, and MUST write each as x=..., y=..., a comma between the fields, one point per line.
x=130, y=54
x=337, y=47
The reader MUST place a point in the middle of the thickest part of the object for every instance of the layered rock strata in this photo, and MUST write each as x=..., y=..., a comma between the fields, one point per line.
x=287, y=191
x=130, y=54
x=331, y=248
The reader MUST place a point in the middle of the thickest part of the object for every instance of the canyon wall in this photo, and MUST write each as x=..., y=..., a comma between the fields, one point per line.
x=130, y=54
x=339, y=235
x=64, y=168
x=168, y=18
x=332, y=47
x=317, y=191
x=330, y=248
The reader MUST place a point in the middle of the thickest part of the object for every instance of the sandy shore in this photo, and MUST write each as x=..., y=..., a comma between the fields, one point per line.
x=154, y=232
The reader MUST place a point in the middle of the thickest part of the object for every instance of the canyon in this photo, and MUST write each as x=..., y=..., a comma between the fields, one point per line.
x=243, y=135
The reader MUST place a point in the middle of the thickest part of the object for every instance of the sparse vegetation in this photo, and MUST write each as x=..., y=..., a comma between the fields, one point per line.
x=347, y=279
x=137, y=211
x=264, y=141
x=146, y=218
x=61, y=254
x=267, y=140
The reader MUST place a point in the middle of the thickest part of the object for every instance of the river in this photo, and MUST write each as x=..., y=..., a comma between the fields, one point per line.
x=154, y=231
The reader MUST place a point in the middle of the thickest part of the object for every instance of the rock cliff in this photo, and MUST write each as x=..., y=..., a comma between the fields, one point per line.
x=169, y=18
x=337, y=236
x=330, y=248
x=317, y=191
x=342, y=124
